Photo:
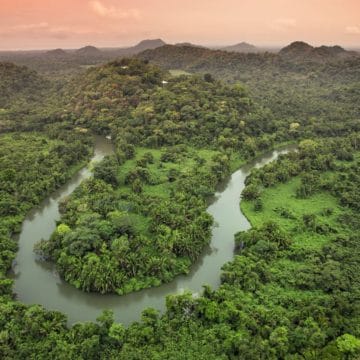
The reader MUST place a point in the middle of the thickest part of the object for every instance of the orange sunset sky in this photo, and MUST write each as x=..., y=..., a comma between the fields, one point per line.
x=42, y=24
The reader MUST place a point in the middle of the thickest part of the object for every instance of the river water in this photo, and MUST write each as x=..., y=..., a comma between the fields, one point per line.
x=37, y=282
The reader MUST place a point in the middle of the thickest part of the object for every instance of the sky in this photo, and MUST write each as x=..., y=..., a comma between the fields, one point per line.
x=47, y=24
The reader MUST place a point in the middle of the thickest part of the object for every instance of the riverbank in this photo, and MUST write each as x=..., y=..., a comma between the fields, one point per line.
x=39, y=283
x=299, y=259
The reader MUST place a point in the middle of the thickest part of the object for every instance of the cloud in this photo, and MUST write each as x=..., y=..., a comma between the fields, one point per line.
x=45, y=30
x=68, y=32
x=283, y=24
x=24, y=27
x=113, y=12
x=352, y=30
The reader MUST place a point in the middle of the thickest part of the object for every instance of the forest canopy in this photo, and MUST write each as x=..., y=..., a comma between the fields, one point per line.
x=292, y=289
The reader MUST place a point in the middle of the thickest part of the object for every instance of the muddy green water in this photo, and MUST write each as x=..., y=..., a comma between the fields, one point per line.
x=37, y=282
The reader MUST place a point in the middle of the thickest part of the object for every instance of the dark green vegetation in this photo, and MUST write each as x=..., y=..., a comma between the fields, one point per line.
x=137, y=225
x=142, y=220
x=19, y=85
x=20, y=91
x=305, y=248
x=28, y=101
x=32, y=166
x=310, y=87
x=292, y=290
x=141, y=104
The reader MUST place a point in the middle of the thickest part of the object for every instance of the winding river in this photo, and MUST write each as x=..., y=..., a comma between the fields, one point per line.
x=38, y=282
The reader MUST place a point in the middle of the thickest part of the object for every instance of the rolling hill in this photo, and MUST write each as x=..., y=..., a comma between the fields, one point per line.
x=242, y=47
x=299, y=50
x=57, y=53
x=88, y=51
x=18, y=84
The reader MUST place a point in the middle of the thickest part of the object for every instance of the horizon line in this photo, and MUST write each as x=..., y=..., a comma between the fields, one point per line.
x=210, y=46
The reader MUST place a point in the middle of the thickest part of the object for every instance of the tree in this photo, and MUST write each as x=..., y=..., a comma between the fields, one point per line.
x=117, y=333
x=137, y=186
x=107, y=170
x=251, y=192
x=208, y=78
x=348, y=345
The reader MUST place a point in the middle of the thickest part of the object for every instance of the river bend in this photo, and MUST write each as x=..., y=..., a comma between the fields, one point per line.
x=38, y=282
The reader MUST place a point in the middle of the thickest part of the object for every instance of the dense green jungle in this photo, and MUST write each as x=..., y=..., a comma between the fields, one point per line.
x=182, y=119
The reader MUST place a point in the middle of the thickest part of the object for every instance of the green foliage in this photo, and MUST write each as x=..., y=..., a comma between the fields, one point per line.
x=19, y=88
x=311, y=268
x=296, y=96
x=106, y=170
x=27, y=176
x=348, y=345
x=125, y=237
x=251, y=192
x=292, y=290
x=137, y=111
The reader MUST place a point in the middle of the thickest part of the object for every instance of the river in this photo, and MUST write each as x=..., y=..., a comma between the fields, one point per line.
x=37, y=282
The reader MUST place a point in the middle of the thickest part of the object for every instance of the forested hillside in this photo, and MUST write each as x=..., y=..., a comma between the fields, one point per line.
x=176, y=139
x=20, y=90
x=311, y=86
x=28, y=101
x=18, y=84
x=141, y=104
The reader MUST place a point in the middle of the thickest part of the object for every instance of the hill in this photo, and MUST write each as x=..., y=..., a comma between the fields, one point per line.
x=24, y=98
x=299, y=50
x=242, y=47
x=88, y=51
x=18, y=84
x=196, y=58
x=179, y=56
x=322, y=86
x=131, y=92
x=147, y=44
x=57, y=53
x=130, y=99
x=296, y=48
x=59, y=63
x=190, y=44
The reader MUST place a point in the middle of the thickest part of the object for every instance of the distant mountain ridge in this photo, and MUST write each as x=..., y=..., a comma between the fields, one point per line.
x=65, y=61
x=191, y=58
x=185, y=56
x=91, y=50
